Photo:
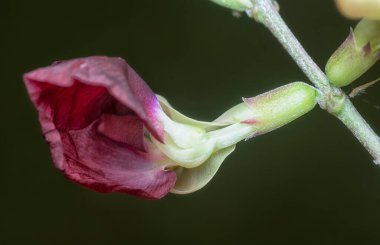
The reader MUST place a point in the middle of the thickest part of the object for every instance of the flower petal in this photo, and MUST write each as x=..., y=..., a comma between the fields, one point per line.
x=77, y=91
x=97, y=161
x=92, y=113
x=193, y=179
x=180, y=118
x=357, y=9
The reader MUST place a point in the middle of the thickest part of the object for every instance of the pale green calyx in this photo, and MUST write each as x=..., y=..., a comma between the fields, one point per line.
x=237, y=5
x=358, y=53
x=198, y=148
x=273, y=109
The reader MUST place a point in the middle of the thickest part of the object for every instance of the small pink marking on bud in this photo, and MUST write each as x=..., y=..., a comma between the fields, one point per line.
x=367, y=49
x=248, y=101
x=249, y=121
x=351, y=35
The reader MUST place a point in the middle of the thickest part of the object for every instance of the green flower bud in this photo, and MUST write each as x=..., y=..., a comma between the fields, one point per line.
x=358, y=53
x=238, y=5
x=273, y=109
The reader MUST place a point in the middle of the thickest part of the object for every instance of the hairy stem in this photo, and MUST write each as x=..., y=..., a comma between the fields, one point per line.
x=360, y=128
x=331, y=98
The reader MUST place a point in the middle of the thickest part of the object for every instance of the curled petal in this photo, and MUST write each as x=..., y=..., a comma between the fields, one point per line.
x=79, y=90
x=94, y=159
x=193, y=179
x=93, y=112
x=179, y=117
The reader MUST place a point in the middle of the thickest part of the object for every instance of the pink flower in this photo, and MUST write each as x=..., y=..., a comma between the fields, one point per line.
x=109, y=132
x=93, y=112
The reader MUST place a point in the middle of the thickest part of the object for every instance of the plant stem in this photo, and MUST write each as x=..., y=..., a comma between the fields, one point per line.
x=333, y=99
x=266, y=13
x=360, y=128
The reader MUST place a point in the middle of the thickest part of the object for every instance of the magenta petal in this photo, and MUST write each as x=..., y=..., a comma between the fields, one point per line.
x=100, y=163
x=92, y=113
x=110, y=79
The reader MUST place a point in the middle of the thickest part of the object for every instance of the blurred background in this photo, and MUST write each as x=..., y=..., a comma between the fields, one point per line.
x=309, y=182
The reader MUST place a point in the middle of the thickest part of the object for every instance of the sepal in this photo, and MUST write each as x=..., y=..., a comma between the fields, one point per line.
x=273, y=109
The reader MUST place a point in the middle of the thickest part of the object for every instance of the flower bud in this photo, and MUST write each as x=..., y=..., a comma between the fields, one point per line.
x=358, y=53
x=273, y=109
x=237, y=5
x=357, y=9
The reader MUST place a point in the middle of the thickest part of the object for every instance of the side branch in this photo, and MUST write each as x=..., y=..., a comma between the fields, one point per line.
x=333, y=99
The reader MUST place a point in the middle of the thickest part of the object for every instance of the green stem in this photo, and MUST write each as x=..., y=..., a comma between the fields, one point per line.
x=331, y=98
x=360, y=128
x=265, y=12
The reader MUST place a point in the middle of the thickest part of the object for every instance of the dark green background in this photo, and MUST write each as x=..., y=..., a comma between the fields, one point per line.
x=310, y=182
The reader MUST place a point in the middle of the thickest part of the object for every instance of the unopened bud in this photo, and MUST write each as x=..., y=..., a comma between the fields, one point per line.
x=358, y=53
